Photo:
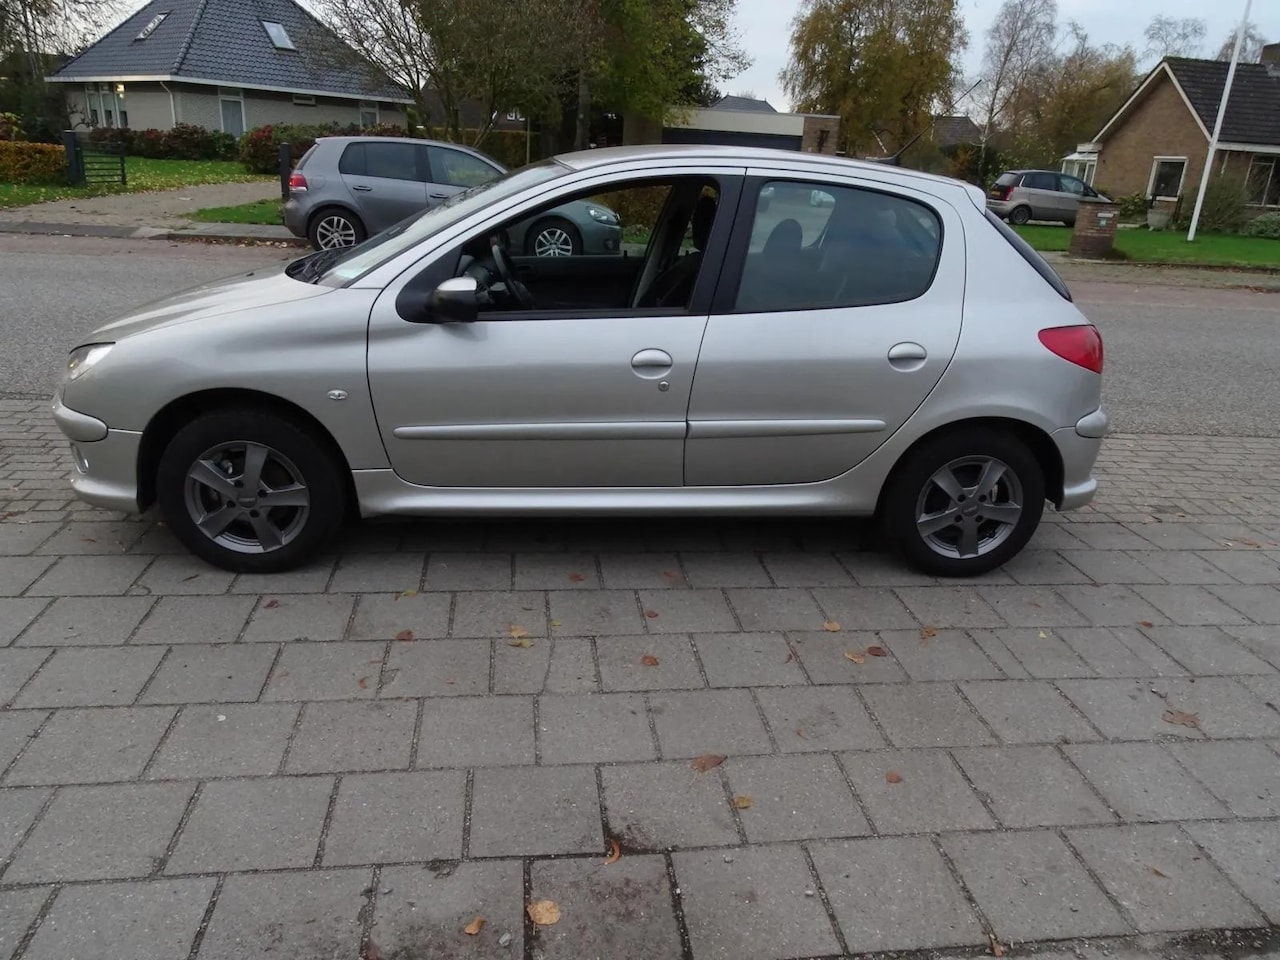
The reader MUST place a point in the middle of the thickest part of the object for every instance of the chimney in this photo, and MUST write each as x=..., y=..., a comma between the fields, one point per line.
x=1270, y=54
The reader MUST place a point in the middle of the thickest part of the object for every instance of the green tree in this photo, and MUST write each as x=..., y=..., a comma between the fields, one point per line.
x=884, y=66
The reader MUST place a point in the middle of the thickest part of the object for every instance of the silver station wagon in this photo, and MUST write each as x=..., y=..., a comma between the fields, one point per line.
x=892, y=350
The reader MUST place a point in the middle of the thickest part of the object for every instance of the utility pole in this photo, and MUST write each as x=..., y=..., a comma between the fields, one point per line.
x=1217, y=124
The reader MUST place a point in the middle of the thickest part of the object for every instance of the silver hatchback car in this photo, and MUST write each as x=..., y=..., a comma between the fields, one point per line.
x=1021, y=196
x=897, y=351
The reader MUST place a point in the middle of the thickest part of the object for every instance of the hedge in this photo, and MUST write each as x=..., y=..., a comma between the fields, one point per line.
x=185, y=141
x=11, y=127
x=260, y=148
x=505, y=146
x=1267, y=226
x=32, y=162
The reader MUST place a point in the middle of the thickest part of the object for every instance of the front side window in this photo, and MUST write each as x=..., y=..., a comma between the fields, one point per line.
x=1166, y=178
x=1072, y=185
x=814, y=248
x=458, y=169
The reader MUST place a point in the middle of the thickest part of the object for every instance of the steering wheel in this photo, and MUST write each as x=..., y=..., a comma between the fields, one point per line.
x=503, y=264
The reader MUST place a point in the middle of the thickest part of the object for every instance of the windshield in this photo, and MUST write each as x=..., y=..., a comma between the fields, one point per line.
x=355, y=262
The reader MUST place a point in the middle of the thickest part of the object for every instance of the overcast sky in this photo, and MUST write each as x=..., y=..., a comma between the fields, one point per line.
x=765, y=25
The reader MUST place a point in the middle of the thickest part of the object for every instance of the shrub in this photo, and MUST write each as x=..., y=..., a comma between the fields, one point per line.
x=637, y=207
x=1132, y=206
x=32, y=162
x=385, y=130
x=11, y=127
x=1267, y=225
x=148, y=143
x=109, y=136
x=259, y=148
x=223, y=146
x=1224, y=210
x=186, y=141
x=505, y=146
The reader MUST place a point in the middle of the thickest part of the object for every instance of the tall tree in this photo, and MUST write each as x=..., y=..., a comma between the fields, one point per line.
x=1174, y=36
x=882, y=65
x=1250, y=49
x=1019, y=43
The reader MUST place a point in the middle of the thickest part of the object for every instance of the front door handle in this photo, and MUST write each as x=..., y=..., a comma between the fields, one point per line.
x=651, y=363
x=362, y=189
x=438, y=196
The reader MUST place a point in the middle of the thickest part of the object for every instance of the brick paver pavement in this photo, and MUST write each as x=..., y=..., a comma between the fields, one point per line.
x=443, y=721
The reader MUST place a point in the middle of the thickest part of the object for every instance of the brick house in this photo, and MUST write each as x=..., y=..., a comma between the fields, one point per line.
x=741, y=122
x=228, y=65
x=1157, y=142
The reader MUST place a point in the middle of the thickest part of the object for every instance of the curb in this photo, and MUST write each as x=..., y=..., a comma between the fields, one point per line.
x=186, y=236
x=205, y=233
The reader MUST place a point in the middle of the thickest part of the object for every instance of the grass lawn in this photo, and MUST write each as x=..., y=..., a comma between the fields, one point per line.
x=1169, y=246
x=142, y=175
x=260, y=211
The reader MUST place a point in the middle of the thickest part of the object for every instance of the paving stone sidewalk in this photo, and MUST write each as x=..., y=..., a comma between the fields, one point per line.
x=445, y=721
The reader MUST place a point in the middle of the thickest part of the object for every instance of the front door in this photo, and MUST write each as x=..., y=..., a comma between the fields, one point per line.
x=232, y=116
x=453, y=171
x=1046, y=200
x=832, y=325
x=579, y=386
x=386, y=181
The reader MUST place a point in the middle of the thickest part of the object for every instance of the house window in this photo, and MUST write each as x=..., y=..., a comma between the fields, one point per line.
x=150, y=28
x=104, y=104
x=304, y=99
x=368, y=114
x=278, y=34
x=1166, y=177
x=515, y=116
x=1264, y=182
x=231, y=106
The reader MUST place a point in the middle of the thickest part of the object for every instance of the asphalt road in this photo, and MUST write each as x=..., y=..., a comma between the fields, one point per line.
x=1179, y=360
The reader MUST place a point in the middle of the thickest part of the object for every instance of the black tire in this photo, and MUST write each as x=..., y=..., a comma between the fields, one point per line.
x=296, y=455
x=326, y=218
x=911, y=494
x=572, y=233
x=1020, y=215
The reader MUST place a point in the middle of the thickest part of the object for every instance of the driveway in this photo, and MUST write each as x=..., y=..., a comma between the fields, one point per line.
x=167, y=209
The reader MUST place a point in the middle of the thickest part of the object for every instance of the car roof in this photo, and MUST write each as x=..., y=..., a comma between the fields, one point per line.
x=434, y=143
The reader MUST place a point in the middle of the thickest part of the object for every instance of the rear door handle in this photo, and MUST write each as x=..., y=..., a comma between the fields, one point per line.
x=438, y=196
x=907, y=351
x=651, y=363
x=363, y=189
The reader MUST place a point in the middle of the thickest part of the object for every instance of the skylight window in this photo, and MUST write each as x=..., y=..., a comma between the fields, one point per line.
x=150, y=28
x=279, y=36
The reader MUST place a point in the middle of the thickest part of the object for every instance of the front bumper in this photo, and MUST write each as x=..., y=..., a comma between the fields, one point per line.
x=104, y=461
x=601, y=239
x=1079, y=446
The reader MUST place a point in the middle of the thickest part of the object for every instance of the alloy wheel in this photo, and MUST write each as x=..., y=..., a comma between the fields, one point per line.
x=553, y=242
x=335, y=231
x=247, y=497
x=969, y=507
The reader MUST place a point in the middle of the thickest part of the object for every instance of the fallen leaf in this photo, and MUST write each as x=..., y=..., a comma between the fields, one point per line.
x=800, y=734
x=271, y=604
x=555, y=623
x=1247, y=543
x=1145, y=623
x=831, y=626
x=192, y=577
x=791, y=655
x=1181, y=718
x=408, y=593
x=928, y=633
x=88, y=540
x=518, y=631
x=363, y=683
x=474, y=927
x=615, y=852
x=1163, y=876
x=742, y=803
x=522, y=644
x=708, y=761
x=651, y=614
x=997, y=948
x=404, y=635
x=877, y=652
x=855, y=657
x=372, y=951
x=1043, y=635
x=893, y=776
x=576, y=578
x=674, y=576
x=649, y=660
x=544, y=912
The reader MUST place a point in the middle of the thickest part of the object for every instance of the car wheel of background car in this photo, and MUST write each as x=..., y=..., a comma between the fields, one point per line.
x=554, y=238
x=1020, y=215
x=964, y=502
x=335, y=227
x=250, y=490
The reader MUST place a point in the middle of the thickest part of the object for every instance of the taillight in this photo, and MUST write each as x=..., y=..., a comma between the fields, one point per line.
x=297, y=181
x=1008, y=192
x=1082, y=345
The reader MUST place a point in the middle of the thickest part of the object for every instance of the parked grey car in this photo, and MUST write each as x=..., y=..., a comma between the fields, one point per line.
x=899, y=352
x=345, y=189
x=1021, y=196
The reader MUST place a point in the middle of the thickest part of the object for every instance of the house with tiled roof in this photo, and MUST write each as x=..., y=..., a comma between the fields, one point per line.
x=228, y=65
x=1157, y=142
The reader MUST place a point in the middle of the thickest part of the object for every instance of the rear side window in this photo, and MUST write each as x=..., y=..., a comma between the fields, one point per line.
x=391, y=161
x=305, y=157
x=1007, y=180
x=1040, y=181
x=1030, y=255
x=352, y=162
x=827, y=246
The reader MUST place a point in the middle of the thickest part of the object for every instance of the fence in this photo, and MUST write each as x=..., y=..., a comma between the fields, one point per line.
x=93, y=163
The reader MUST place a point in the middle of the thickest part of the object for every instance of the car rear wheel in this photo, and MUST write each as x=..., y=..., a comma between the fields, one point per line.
x=250, y=490
x=334, y=227
x=1020, y=215
x=554, y=238
x=963, y=503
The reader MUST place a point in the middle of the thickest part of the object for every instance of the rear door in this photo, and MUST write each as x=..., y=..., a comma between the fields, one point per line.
x=453, y=171
x=386, y=179
x=1041, y=190
x=830, y=326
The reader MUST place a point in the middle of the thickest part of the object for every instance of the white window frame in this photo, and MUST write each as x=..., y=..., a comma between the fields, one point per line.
x=304, y=99
x=236, y=94
x=1151, y=180
x=1275, y=172
x=101, y=98
x=365, y=107
x=515, y=116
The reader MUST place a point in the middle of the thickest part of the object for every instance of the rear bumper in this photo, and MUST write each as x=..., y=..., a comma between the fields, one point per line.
x=1001, y=208
x=295, y=217
x=1079, y=446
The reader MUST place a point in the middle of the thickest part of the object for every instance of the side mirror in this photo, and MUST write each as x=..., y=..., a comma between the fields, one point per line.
x=456, y=300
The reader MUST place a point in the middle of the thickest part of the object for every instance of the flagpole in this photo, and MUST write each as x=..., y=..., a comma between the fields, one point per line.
x=1217, y=124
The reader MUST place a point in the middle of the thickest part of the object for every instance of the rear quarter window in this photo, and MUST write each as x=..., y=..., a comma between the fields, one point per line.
x=352, y=162
x=1006, y=180
x=1029, y=254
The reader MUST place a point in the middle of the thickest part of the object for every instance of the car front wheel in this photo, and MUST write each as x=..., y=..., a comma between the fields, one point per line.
x=554, y=238
x=963, y=503
x=333, y=227
x=250, y=490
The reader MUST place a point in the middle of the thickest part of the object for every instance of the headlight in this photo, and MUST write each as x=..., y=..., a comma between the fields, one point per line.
x=82, y=358
x=602, y=215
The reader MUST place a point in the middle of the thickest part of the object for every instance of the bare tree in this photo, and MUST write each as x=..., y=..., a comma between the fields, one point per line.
x=1174, y=36
x=1019, y=44
x=1250, y=49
